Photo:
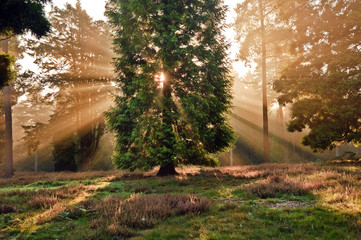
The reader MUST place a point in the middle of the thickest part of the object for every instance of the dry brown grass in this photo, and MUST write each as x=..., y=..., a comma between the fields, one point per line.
x=45, y=198
x=337, y=187
x=24, y=178
x=50, y=214
x=265, y=170
x=121, y=216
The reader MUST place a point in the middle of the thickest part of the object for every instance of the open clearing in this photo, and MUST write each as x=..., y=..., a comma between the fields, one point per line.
x=273, y=201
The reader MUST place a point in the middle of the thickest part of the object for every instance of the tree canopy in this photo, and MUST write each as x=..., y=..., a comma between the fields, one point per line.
x=324, y=80
x=80, y=71
x=19, y=16
x=174, y=84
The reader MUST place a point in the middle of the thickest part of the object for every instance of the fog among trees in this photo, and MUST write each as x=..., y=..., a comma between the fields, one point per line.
x=154, y=85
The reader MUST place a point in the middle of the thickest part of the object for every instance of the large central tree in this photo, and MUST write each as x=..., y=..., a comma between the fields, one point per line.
x=175, y=91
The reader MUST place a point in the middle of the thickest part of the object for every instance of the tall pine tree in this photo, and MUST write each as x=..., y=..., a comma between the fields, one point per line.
x=175, y=91
x=75, y=58
x=263, y=36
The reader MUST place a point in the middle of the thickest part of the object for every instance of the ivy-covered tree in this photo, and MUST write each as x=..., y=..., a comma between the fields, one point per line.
x=17, y=17
x=324, y=81
x=175, y=91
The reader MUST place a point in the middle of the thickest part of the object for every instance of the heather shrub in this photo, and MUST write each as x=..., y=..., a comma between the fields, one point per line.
x=144, y=211
x=70, y=192
x=76, y=212
x=24, y=178
x=43, y=201
x=120, y=230
x=138, y=188
x=88, y=204
x=265, y=170
x=51, y=214
x=276, y=185
x=63, y=191
x=4, y=209
x=142, y=189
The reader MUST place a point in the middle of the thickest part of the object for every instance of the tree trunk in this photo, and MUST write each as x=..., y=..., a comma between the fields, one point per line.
x=168, y=139
x=9, y=171
x=283, y=134
x=36, y=161
x=266, y=151
x=231, y=158
x=167, y=170
x=337, y=152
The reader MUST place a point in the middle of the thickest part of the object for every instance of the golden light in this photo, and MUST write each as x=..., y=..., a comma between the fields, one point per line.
x=160, y=78
x=275, y=106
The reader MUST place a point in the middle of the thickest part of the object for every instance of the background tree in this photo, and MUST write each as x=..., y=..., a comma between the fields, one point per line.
x=324, y=81
x=75, y=58
x=17, y=17
x=33, y=136
x=262, y=35
x=179, y=118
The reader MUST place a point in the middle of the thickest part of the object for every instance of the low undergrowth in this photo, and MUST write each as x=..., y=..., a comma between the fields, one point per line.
x=272, y=201
x=4, y=209
x=44, y=201
x=276, y=186
x=122, y=217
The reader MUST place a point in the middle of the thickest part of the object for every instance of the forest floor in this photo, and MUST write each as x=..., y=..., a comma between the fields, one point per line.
x=273, y=201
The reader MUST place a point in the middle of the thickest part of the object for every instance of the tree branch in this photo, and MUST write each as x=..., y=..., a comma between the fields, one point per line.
x=2, y=39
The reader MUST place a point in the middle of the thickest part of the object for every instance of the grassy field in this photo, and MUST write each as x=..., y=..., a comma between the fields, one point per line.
x=252, y=202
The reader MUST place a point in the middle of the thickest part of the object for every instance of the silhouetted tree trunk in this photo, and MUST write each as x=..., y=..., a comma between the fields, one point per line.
x=266, y=151
x=36, y=161
x=167, y=167
x=337, y=151
x=167, y=170
x=283, y=135
x=9, y=171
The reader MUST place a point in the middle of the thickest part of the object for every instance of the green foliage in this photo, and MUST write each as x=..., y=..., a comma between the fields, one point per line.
x=324, y=80
x=19, y=16
x=64, y=154
x=183, y=120
x=33, y=135
x=7, y=73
